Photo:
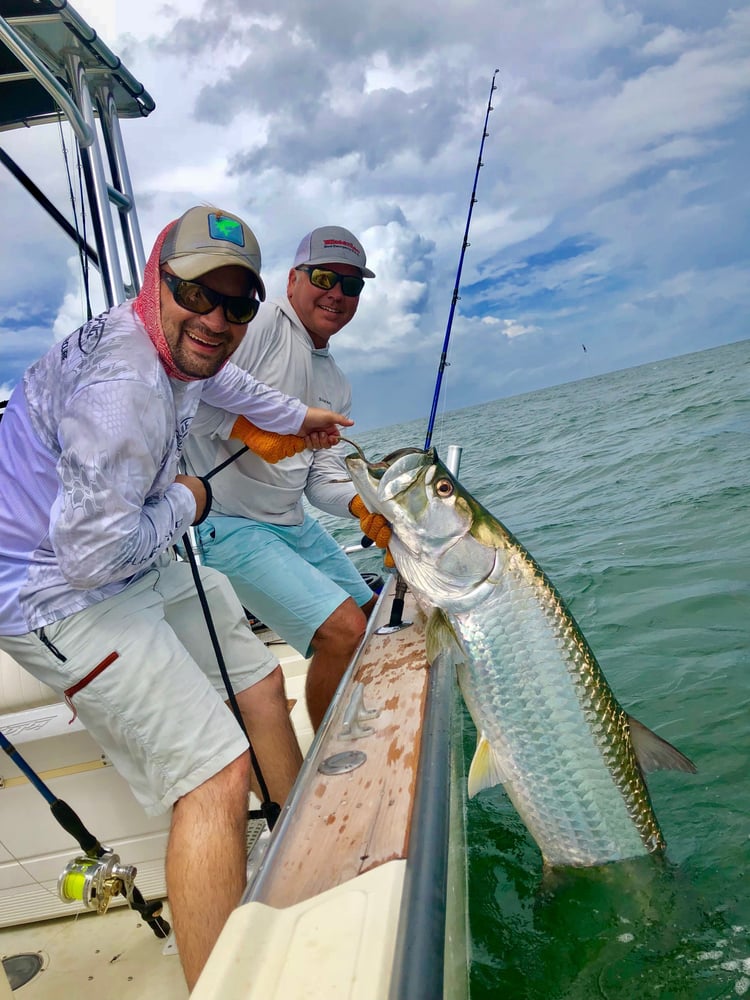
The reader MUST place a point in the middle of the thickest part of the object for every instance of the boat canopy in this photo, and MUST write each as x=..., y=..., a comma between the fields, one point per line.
x=52, y=32
x=53, y=65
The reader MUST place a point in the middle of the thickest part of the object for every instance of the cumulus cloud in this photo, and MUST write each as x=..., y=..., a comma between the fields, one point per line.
x=509, y=328
x=613, y=170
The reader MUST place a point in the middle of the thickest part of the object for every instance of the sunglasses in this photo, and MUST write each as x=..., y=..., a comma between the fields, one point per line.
x=199, y=299
x=351, y=284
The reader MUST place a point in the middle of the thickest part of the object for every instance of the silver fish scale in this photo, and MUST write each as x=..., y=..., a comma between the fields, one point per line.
x=534, y=689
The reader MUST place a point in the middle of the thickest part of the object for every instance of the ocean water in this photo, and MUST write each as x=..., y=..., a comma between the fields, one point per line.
x=632, y=490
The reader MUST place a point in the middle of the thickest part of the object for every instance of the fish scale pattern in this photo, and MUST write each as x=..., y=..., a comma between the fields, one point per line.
x=534, y=688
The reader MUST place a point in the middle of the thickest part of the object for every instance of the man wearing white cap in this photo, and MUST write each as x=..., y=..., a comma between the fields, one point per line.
x=287, y=570
x=92, y=602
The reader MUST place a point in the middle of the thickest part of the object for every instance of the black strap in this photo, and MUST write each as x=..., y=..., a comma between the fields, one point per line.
x=226, y=462
x=209, y=500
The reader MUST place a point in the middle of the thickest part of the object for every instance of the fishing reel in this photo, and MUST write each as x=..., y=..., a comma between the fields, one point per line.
x=94, y=881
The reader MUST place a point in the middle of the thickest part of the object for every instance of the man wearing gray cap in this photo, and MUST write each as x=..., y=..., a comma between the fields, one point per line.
x=92, y=601
x=287, y=570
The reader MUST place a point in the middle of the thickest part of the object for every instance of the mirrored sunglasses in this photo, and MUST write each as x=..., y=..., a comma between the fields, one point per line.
x=197, y=298
x=351, y=284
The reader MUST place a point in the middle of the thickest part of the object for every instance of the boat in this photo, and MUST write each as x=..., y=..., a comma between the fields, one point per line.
x=359, y=890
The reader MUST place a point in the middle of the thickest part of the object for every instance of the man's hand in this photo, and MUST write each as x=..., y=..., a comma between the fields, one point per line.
x=201, y=494
x=374, y=526
x=320, y=440
x=325, y=421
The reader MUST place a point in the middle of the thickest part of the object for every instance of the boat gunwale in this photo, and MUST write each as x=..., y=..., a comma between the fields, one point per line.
x=255, y=888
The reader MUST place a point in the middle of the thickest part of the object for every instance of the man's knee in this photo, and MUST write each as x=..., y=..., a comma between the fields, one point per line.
x=228, y=786
x=270, y=687
x=343, y=628
x=263, y=700
x=367, y=609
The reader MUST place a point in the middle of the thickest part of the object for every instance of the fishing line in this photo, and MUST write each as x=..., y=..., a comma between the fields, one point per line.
x=396, y=619
x=83, y=257
x=444, y=355
x=439, y=437
x=28, y=872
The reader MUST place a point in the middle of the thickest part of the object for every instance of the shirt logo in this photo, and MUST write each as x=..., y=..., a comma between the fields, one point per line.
x=90, y=334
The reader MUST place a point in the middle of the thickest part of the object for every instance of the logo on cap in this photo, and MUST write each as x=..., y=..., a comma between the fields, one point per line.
x=229, y=230
x=341, y=243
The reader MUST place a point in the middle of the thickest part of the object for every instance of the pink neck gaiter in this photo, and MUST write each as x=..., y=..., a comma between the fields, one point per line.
x=148, y=307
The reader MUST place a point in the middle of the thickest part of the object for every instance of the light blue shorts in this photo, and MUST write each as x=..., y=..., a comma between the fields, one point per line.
x=157, y=711
x=291, y=577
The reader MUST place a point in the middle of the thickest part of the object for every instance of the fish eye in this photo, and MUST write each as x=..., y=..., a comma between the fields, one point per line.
x=444, y=488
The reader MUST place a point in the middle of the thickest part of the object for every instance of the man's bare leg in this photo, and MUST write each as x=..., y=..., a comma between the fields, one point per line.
x=333, y=645
x=206, y=860
x=266, y=715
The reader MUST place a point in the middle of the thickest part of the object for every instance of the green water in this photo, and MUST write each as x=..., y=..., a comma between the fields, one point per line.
x=633, y=492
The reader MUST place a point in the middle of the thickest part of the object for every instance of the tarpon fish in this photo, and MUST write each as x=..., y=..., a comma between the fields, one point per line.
x=549, y=728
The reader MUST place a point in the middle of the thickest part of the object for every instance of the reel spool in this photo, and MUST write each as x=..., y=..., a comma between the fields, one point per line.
x=94, y=881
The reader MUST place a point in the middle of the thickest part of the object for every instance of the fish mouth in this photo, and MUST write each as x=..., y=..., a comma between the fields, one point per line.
x=377, y=490
x=376, y=469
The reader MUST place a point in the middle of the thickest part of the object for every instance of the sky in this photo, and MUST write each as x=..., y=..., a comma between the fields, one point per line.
x=611, y=222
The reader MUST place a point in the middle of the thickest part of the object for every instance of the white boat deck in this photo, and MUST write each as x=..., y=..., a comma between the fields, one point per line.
x=111, y=957
x=116, y=955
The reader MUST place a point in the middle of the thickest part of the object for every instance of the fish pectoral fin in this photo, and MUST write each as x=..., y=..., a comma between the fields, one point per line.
x=440, y=637
x=486, y=769
x=654, y=753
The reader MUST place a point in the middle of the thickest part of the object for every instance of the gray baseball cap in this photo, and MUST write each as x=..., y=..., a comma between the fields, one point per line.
x=205, y=238
x=332, y=245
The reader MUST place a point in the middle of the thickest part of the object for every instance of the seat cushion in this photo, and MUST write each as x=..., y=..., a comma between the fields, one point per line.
x=19, y=690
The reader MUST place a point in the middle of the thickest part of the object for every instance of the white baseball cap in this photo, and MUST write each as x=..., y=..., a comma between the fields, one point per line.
x=332, y=245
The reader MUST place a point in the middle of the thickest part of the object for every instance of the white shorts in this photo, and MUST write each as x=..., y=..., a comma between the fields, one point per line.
x=157, y=710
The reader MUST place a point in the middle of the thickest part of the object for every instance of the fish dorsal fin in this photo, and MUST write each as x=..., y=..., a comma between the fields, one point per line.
x=654, y=753
x=486, y=769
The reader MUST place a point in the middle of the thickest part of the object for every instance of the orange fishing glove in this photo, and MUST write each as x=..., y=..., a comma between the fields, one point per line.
x=270, y=446
x=374, y=526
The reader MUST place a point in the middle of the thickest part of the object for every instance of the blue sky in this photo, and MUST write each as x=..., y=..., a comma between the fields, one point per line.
x=612, y=205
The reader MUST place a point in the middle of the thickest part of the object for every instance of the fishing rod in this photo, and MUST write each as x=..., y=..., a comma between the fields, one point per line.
x=444, y=356
x=396, y=621
x=269, y=809
x=97, y=876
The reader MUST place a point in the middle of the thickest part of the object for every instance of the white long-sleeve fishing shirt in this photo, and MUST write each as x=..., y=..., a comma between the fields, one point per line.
x=89, y=449
x=277, y=349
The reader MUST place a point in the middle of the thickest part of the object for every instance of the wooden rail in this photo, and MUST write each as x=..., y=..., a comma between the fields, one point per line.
x=346, y=824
